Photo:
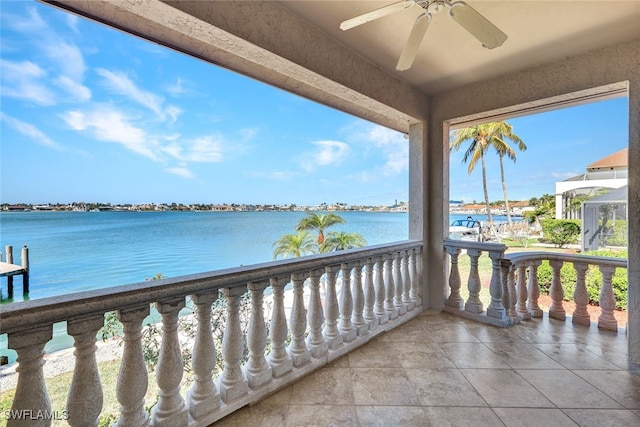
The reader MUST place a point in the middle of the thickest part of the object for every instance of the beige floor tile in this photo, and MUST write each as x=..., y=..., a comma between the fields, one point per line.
x=523, y=356
x=374, y=355
x=258, y=415
x=533, y=417
x=383, y=416
x=320, y=416
x=575, y=356
x=326, y=386
x=603, y=417
x=622, y=386
x=460, y=417
x=472, y=355
x=505, y=388
x=422, y=355
x=489, y=333
x=454, y=332
x=444, y=387
x=567, y=390
x=376, y=386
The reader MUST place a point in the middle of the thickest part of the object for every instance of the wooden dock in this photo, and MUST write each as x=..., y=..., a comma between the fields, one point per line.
x=8, y=269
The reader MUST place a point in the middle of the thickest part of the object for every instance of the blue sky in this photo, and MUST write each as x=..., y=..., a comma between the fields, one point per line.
x=90, y=114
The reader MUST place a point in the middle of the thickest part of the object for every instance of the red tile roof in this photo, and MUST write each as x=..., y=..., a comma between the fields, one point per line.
x=613, y=161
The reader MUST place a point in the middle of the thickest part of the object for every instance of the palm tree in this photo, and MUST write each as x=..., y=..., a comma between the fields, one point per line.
x=319, y=222
x=501, y=132
x=294, y=245
x=338, y=241
x=482, y=137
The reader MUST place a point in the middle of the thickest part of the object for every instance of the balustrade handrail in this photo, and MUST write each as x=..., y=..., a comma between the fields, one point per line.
x=482, y=246
x=45, y=311
x=562, y=257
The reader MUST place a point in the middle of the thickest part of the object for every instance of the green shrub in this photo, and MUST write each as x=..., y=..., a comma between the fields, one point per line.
x=561, y=232
x=567, y=278
x=617, y=234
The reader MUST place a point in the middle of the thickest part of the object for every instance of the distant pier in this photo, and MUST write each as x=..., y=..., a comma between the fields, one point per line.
x=8, y=269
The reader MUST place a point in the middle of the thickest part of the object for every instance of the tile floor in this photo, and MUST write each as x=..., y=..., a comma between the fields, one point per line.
x=441, y=370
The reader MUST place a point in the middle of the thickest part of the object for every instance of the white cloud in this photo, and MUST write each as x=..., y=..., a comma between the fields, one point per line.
x=68, y=59
x=23, y=80
x=326, y=153
x=391, y=145
x=121, y=84
x=206, y=149
x=181, y=172
x=78, y=91
x=29, y=130
x=176, y=89
x=110, y=125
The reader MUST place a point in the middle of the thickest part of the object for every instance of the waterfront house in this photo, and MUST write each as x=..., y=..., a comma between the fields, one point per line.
x=557, y=54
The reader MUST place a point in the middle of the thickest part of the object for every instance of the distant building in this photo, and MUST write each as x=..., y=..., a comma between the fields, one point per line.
x=609, y=172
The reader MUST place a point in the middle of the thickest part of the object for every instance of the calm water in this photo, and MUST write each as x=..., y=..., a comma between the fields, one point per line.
x=79, y=251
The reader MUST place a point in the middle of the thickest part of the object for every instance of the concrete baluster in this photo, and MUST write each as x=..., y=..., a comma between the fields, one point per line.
x=398, y=284
x=203, y=397
x=607, y=320
x=378, y=281
x=170, y=409
x=298, y=348
x=132, y=379
x=369, y=295
x=346, y=305
x=509, y=294
x=315, y=317
x=389, y=287
x=454, y=300
x=415, y=273
x=331, y=313
x=357, y=319
x=521, y=291
x=534, y=290
x=580, y=296
x=279, y=359
x=84, y=401
x=473, y=304
x=257, y=370
x=406, y=281
x=31, y=391
x=496, y=309
x=232, y=381
x=556, y=311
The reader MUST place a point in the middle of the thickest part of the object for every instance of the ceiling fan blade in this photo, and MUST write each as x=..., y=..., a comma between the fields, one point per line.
x=413, y=43
x=477, y=25
x=375, y=14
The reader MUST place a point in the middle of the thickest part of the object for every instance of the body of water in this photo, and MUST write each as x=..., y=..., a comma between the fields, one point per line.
x=80, y=251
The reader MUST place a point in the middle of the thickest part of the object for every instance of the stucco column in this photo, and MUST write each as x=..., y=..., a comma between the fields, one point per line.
x=633, y=326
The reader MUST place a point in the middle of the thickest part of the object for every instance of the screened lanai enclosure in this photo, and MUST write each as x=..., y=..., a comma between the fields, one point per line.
x=604, y=220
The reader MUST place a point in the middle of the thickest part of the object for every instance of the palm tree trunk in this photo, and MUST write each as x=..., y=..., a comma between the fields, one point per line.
x=504, y=190
x=486, y=192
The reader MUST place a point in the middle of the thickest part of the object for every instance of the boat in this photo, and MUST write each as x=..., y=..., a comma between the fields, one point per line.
x=465, y=228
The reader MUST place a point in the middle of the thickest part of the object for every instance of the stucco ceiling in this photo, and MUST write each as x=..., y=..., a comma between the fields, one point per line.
x=538, y=32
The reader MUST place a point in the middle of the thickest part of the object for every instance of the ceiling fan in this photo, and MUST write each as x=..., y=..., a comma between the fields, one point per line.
x=471, y=20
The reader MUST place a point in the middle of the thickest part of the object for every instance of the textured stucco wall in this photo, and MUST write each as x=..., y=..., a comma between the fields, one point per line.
x=513, y=92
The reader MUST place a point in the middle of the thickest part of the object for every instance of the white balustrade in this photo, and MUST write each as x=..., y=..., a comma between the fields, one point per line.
x=298, y=348
x=257, y=370
x=84, y=401
x=132, y=379
x=607, y=320
x=31, y=392
x=556, y=292
x=232, y=381
x=378, y=288
x=580, y=295
x=203, y=397
x=170, y=409
x=315, y=317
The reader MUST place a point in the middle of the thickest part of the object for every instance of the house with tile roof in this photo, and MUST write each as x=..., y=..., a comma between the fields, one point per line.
x=609, y=172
